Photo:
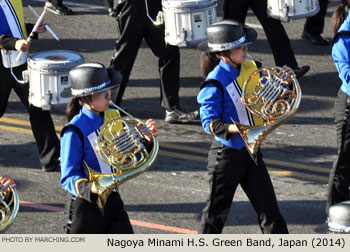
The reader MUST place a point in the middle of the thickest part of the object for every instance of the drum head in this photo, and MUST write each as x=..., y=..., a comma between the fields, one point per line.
x=57, y=59
x=187, y=3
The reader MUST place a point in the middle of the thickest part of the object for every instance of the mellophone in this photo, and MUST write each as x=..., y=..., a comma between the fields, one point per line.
x=185, y=21
x=285, y=10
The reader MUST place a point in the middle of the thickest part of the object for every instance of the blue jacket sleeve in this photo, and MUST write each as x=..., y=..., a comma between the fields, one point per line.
x=341, y=57
x=211, y=100
x=71, y=161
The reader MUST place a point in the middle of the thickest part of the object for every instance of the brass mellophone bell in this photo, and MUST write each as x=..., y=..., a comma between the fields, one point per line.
x=274, y=99
x=8, y=207
x=122, y=144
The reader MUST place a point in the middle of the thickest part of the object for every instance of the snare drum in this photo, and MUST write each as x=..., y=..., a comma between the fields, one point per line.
x=186, y=21
x=48, y=74
x=292, y=9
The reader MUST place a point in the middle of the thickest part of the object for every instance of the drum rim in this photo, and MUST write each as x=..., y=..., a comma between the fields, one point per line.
x=187, y=4
x=42, y=65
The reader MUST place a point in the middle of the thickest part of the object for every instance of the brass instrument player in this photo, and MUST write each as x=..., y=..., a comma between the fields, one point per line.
x=226, y=69
x=87, y=112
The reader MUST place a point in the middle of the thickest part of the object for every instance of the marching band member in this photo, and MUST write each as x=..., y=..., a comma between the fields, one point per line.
x=225, y=68
x=133, y=26
x=276, y=35
x=339, y=178
x=87, y=111
x=13, y=35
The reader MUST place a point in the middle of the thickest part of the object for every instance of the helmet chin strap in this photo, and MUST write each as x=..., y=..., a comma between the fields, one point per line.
x=229, y=58
x=85, y=100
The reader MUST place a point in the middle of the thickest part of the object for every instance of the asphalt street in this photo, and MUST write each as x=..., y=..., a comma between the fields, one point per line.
x=170, y=196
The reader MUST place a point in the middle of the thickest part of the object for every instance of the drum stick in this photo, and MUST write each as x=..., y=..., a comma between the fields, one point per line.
x=31, y=35
x=45, y=24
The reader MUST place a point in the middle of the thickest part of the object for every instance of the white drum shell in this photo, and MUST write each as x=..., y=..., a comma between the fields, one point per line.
x=186, y=21
x=292, y=9
x=49, y=77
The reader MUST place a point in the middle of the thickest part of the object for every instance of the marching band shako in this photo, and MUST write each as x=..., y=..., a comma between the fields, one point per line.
x=48, y=74
x=285, y=10
x=186, y=20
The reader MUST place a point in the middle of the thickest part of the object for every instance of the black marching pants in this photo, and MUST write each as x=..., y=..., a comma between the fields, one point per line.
x=315, y=24
x=40, y=120
x=228, y=168
x=339, y=177
x=132, y=26
x=84, y=217
x=278, y=39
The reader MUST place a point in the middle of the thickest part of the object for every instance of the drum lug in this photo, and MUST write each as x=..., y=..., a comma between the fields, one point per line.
x=160, y=17
x=285, y=17
x=25, y=75
x=47, y=105
x=183, y=41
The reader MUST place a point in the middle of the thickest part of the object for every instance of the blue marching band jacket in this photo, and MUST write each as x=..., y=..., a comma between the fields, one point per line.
x=217, y=107
x=79, y=147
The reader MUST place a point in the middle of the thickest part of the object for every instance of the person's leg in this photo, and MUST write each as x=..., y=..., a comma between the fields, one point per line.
x=119, y=220
x=169, y=70
x=276, y=35
x=259, y=189
x=314, y=25
x=278, y=39
x=339, y=177
x=236, y=9
x=83, y=217
x=5, y=88
x=42, y=127
x=226, y=169
x=131, y=21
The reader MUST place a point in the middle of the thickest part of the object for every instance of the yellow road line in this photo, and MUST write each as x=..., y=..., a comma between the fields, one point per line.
x=196, y=158
x=22, y=122
x=267, y=160
x=300, y=175
x=16, y=129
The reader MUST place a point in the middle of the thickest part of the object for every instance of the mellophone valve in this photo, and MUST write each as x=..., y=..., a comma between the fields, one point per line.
x=9, y=206
x=274, y=98
x=122, y=144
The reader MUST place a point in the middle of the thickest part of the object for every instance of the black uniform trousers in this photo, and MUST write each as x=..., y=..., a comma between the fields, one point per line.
x=132, y=26
x=339, y=178
x=85, y=217
x=315, y=24
x=228, y=168
x=40, y=120
x=276, y=35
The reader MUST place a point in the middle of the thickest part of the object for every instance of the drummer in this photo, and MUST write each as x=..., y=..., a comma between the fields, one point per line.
x=133, y=26
x=13, y=39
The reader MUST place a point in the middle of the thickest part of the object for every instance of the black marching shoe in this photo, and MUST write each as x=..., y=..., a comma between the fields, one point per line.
x=315, y=39
x=58, y=9
x=300, y=71
x=180, y=116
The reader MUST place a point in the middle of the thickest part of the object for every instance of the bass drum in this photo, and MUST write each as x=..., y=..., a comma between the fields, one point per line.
x=48, y=74
x=285, y=10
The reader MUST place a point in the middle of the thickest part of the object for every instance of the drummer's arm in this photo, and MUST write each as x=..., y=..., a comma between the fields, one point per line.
x=7, y=42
